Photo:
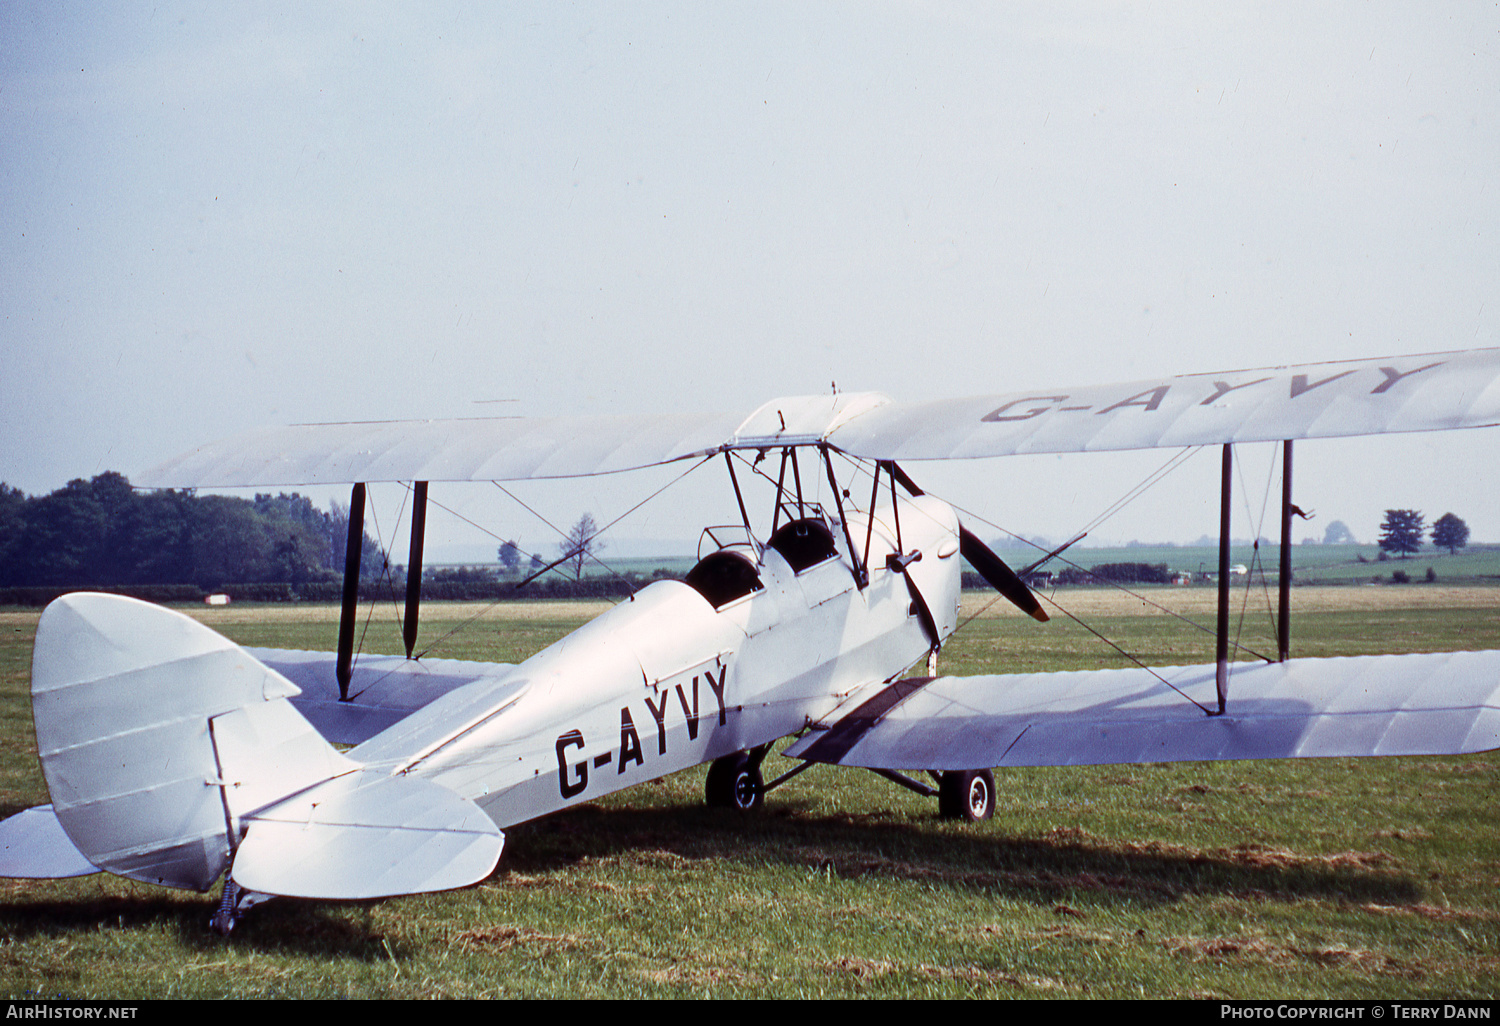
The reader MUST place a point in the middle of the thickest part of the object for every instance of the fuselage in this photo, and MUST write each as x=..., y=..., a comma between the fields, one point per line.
x=759, y=643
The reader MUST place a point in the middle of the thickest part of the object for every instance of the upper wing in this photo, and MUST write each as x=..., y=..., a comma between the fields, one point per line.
x=1431, y=704
x=1434, y=392
x=1409, y=393
x=497, y=449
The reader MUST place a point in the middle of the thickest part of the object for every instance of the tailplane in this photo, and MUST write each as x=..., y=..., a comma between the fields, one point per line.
x=171, y=755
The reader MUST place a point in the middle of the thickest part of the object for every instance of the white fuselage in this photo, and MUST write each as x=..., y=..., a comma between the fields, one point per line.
x=665, y=681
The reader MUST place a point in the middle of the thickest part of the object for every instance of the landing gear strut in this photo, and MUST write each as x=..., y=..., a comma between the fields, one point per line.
x=235, y=902
x=966, y=794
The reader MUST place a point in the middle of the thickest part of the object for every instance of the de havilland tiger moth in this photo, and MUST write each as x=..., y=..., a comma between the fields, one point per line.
x=176, y=757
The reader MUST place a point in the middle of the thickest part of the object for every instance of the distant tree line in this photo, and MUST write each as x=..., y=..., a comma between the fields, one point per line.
x=104, y=533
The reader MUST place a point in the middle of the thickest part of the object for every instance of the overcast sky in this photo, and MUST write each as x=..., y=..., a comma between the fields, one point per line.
x=216, y=217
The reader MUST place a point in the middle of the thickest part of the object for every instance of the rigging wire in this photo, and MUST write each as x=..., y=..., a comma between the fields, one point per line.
x=1129, y=656
x=1117, y=586
x=460, y=626
x=1152, y=479
x=385, y=569
x=1255, y=554
x=1149, y=481
x=389, y=580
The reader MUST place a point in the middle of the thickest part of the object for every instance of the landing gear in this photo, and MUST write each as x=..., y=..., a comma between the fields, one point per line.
x=734, y=781
x=966, y=794
x=235, y=902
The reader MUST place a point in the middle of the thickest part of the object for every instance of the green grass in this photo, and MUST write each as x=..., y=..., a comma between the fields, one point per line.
x=1320, y=879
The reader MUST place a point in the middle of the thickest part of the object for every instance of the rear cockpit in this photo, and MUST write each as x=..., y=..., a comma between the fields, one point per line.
x=723, y=576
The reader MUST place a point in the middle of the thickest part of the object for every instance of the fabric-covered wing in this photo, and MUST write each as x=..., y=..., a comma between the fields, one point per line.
x=1434, y=392
x=1407, y=393
x=491, y=449
x=383, y=690
x=1442, y=703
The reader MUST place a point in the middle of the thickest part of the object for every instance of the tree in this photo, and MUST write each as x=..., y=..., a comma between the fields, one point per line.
x=1338, y=533
x=581, y=543
x=1451, y=533
x=371, y=556
x=1401, y=531
x=510, y=557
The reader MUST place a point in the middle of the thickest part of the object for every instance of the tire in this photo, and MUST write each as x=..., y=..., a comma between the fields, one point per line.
x=967, y=795
x=734, y=782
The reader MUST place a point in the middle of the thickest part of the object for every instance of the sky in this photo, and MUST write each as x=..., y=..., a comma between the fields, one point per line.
x=218, y=217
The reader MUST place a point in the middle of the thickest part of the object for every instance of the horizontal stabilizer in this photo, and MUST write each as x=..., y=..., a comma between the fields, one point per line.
x=34, y=845
x=384, y=689
x=366, y=835
x=1432, y=704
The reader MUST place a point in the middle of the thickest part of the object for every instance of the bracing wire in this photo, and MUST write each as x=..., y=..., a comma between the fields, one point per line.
x=485, y=609
x=1152, y=479
x=1115, y=585
x=1128, y=655
x=1255, y=554
x=1145, y=484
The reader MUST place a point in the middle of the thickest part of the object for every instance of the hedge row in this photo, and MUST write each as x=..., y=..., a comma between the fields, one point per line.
x=470, y=591
x=163, y=593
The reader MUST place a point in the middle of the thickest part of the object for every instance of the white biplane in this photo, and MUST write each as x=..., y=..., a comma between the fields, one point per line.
x=173, y=755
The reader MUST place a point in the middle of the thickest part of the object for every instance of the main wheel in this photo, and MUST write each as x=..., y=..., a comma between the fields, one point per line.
x=967, y=795
x=734, y=782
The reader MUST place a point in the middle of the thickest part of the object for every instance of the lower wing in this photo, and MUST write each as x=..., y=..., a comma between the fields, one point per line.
x=383, y=689
x=1432, y=704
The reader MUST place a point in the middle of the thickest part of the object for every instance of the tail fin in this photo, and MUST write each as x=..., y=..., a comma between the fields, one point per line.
x=163, y=743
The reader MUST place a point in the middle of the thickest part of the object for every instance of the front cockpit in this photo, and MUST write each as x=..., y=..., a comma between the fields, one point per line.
x=804, y=543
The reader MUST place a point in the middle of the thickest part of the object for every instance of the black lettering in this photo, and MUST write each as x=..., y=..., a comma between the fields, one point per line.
x=1392, y=375
x=718, y=689
x=660, y=716
x=1157, y=394
x=572, y=739
x=1300, y=385
x=1221, y=389
x=630, y=742
x=691, y=714
x=994, y=415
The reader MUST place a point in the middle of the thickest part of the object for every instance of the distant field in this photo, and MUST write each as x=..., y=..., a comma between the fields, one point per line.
x=1311, y=564
x=1331, y=879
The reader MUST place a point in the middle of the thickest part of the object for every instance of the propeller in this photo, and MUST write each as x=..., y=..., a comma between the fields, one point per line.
x=1001, y=577
x=990, y=566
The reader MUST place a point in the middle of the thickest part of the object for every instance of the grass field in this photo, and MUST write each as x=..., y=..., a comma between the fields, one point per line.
x=1311, y=564
x=1321, y=879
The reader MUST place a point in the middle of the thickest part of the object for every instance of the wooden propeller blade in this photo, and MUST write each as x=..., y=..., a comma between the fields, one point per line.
x=993, y=569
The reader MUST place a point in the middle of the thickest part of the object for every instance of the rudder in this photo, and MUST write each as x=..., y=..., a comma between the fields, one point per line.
x=136, y=708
